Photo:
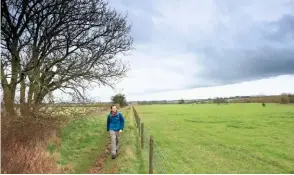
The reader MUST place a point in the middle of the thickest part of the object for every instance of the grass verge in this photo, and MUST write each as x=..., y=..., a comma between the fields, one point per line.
x=82, y=141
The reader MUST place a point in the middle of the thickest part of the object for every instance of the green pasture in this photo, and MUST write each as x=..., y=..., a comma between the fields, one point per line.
x=229, y=138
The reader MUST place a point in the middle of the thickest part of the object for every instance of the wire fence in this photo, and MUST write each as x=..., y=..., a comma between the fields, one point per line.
x=152, y=152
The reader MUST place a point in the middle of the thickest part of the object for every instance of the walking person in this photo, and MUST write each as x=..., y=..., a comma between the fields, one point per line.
x=115, y=126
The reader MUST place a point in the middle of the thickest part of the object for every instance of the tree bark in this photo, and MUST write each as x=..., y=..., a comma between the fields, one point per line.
x=38, y=98
x=22, y=97
x=10, y=88
x=37, y=89
x=8, y=98
x=24, y=106
x=30, y=93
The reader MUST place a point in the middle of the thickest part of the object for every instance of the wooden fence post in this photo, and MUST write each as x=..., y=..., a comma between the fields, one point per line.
x=151, y=155
x=134, y=114
x=142, y=135
x=139, y=126
x=137, y=119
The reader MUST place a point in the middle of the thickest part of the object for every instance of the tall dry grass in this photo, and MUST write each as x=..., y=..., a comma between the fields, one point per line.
x=23, y=145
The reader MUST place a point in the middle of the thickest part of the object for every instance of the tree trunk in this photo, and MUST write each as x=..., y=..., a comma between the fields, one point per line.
x=24, y=107
x=37, y=89
x=7, y=94
x=8, y=98
x=38, y=98
x=9, y=89
x=30, y=93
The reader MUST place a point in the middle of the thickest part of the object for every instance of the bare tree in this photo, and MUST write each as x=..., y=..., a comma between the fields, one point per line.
x=59, y=44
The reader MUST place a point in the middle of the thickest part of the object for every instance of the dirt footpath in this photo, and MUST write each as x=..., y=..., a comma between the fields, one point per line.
x=99, y=164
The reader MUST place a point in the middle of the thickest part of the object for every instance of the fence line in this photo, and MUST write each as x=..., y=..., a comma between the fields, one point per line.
x=160, y=152
x=157, y=160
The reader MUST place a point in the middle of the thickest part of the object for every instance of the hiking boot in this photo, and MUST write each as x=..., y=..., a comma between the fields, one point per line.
x=113, y=156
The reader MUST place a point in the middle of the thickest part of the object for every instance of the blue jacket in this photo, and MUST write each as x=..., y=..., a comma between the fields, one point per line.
x=115, y=122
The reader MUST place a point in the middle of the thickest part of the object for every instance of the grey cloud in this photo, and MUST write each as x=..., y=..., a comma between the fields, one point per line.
x=272, y=55
x=285, y=29
x=142, y=28
x=139, y=15
x=142, y=24
x=251, y=65
x=239, y=49
x=147, y=6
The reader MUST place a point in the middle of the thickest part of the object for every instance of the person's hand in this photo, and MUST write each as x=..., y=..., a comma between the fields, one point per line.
x=120, y=131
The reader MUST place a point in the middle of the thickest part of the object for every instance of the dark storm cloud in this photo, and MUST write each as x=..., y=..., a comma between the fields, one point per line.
x=271, y=54
x=285, y=29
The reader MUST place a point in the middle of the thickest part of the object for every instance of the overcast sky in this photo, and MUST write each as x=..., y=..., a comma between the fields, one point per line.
x=207, y=48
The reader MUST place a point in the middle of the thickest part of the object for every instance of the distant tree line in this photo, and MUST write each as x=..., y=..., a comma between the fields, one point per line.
x=283, y=99
x=220, y=100
x=152, y=102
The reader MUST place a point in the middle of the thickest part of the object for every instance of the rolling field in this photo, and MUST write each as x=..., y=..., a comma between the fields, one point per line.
x=233, y=138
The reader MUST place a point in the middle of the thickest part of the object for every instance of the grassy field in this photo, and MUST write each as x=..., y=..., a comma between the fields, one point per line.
x=233, y=138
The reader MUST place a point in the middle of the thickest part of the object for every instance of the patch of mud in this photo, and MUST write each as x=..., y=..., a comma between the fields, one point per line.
x=113, y=170
x=100, y=162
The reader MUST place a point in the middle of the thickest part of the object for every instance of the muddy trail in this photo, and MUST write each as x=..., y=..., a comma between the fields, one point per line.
x=99, y=165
